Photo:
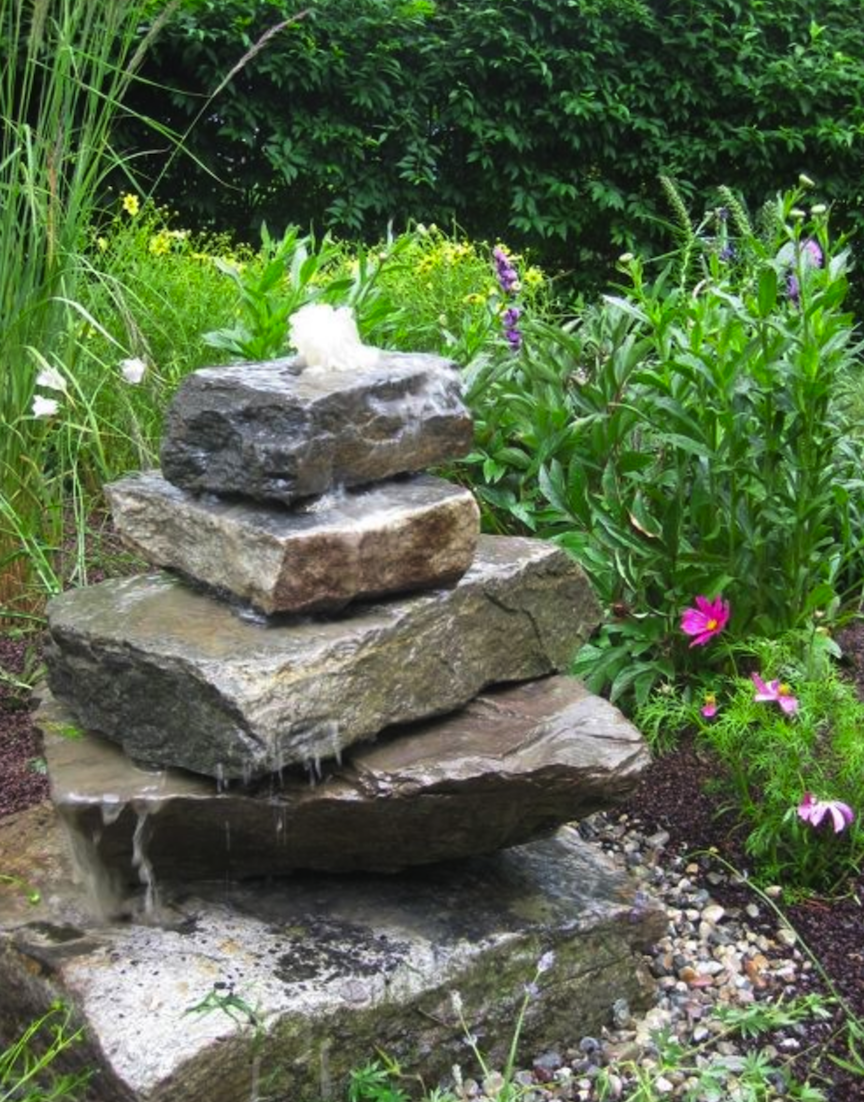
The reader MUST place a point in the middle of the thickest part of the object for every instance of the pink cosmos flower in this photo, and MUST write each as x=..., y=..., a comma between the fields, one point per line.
x=813, y=811
x=709, y=708
x=777, y=691
x=706, y=620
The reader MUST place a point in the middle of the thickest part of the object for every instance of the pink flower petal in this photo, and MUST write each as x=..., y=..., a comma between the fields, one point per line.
x=764, y=692
x=817, y=813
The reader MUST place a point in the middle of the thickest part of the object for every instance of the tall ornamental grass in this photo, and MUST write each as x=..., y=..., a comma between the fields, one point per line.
x=68, y=65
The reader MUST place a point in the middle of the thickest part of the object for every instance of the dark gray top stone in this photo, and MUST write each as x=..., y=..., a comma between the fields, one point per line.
x=263, y=431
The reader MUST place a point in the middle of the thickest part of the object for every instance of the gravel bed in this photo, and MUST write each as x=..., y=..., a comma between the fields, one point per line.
x=714, y=957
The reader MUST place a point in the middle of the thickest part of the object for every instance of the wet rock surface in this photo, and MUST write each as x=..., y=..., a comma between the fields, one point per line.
x=512, y=766
x=402, y=535
x=179, y=679
x=299, y=981
x=263, y=431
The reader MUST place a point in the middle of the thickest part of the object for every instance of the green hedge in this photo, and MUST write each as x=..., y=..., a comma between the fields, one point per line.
x=543, y=121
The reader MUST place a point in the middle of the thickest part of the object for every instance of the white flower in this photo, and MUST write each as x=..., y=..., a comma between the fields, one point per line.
x=51, y=379
x=133, y=370
x=326, y=338
x=44, y=407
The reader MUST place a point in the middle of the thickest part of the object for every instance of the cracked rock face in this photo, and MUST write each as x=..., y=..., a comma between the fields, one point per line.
x=397, y=536
x=265, y=432
x=179, y=679
x=512, y=766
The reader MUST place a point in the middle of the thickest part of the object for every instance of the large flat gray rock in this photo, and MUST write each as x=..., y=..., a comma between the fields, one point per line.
x=510, y=767
x=178, y=679
x=261, y=430
x=278, y=990
x=396, y=536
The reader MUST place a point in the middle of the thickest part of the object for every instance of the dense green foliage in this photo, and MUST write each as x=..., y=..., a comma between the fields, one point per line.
x=681, y=438
x=545, y=120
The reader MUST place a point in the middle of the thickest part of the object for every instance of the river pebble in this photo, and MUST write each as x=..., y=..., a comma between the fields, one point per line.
x=711, y=959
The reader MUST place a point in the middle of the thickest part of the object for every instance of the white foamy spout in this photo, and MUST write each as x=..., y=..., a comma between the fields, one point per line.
x=326, y=339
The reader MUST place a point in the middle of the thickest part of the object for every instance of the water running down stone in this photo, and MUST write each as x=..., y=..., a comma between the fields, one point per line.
x=287, y=726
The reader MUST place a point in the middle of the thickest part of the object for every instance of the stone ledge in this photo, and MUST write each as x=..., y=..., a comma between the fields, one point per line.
x=179, y=679
x=510, y=767
x=389, y=538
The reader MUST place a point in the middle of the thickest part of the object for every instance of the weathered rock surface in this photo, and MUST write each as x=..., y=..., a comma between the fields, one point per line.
x=264, y=431
x=396, y=536
x=178, y=679
x=512, y=766
x=321, y=970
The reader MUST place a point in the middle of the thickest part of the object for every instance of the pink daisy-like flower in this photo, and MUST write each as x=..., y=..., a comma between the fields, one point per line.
x=776, y=691
x=706, y=620
x=813, y=811
x=709, y=707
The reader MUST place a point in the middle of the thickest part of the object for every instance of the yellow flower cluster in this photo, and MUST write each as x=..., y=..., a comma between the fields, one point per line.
x=166, y=241
x=446, y=254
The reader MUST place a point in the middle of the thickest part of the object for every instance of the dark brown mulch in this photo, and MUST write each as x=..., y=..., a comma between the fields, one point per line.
x=21, y=782
x=670, y=797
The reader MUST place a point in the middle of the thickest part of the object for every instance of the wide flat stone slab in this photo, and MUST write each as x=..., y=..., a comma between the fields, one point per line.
x=178, y=679
x=278, y=990
x=510, y=767
x=262, y=430
x=396, y=536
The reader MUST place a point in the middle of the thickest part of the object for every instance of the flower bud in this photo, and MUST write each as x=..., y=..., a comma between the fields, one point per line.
x=805, y=181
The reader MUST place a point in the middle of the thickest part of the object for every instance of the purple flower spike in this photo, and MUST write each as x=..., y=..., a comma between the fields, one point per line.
x=508, y=281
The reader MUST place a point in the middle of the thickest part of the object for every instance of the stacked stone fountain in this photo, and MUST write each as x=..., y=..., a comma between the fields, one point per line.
x=345, y=670
x=331, y=672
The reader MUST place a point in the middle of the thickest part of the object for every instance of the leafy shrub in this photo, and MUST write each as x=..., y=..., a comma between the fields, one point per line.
x=543, y=121
x=681, y=439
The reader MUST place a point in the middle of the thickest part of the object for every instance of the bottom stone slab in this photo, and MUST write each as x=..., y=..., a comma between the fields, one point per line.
x=278, y=990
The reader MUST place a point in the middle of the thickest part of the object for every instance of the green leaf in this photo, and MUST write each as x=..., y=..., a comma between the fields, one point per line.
x=767, y=291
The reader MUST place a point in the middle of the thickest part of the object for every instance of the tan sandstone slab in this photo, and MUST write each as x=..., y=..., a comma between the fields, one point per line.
x=396, y=536
x=278, y=990
x=264, y=431
x=177, y=678
x=510, y=767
